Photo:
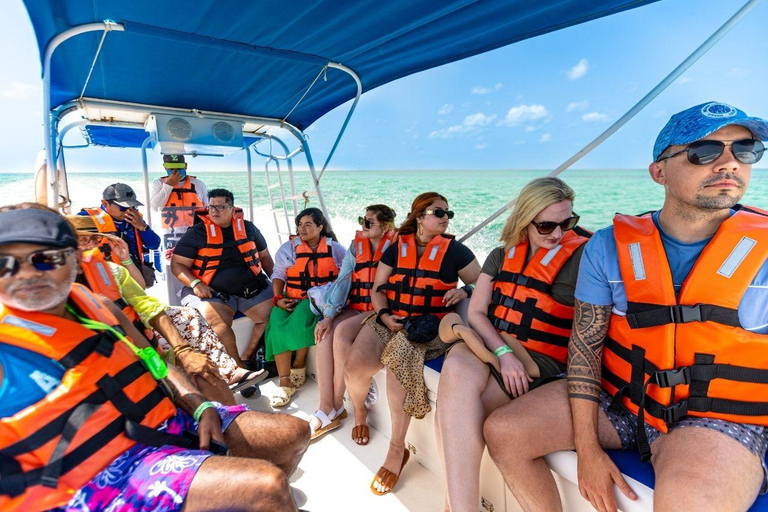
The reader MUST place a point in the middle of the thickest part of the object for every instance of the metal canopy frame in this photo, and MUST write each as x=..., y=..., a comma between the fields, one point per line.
x=53, y=117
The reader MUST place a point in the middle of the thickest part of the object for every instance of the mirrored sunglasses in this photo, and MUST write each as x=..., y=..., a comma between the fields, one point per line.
x=366, y=223
x=41, y=260
x=121, y=208
x=703, y=152
x=439, y=213
x=547, y=227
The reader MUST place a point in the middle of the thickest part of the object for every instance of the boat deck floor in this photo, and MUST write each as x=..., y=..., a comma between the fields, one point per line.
x=335, y=473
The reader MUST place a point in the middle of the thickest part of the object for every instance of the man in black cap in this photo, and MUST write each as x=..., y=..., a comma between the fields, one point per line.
x=118, y=215
x=90, y=386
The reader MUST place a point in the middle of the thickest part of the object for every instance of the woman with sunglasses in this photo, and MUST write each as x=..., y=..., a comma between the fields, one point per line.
x=344, y=305
x=416, y=283
x=310, y=259
x=182, y=333
x=523, y=297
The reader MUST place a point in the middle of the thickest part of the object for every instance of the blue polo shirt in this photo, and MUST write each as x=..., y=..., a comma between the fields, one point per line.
x=600, y=281
x=27, y=378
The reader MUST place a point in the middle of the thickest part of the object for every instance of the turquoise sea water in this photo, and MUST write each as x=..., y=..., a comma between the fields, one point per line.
x=473, y=195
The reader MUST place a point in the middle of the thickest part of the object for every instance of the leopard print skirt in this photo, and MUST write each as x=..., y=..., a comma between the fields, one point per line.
x=406, y=362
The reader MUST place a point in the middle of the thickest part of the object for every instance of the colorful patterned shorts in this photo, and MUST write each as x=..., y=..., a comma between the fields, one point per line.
x=146, y=478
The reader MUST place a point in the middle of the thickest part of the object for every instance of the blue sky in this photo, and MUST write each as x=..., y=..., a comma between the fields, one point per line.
x=528, y=106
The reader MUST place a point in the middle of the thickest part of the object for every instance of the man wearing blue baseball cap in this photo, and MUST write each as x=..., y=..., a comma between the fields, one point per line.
x=670, y=332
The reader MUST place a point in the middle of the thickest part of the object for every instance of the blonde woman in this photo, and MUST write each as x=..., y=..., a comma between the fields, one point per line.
x=524, y=293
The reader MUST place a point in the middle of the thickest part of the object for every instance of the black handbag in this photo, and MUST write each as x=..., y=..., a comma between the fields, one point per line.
x=422, y=329
x=148, y=273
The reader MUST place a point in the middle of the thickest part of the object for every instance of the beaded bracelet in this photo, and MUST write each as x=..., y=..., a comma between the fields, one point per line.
x=504, y=349
x=194, y=283
x=177, y=348
x=200, y=409
x=126, y=262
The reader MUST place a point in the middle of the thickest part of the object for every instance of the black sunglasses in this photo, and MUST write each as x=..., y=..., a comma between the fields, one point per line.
x=41, y=260
x=703, y=152
x=367, y=223
x=548, y=226
x=439, y=213
x=218, y=208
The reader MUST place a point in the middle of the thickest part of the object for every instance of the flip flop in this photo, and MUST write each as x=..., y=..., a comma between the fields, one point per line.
x=387, y=478
x=248, y=380
x=361, y=432
x=326, y=424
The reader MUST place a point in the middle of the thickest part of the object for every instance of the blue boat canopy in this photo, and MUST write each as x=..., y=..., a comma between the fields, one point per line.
x=258, y=59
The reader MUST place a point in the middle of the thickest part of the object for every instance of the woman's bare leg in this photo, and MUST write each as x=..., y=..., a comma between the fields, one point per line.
x=326, y=368
x=343, y=337
x=363, y=363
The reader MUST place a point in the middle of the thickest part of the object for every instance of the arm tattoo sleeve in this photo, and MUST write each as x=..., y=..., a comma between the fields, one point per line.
x=585, y=350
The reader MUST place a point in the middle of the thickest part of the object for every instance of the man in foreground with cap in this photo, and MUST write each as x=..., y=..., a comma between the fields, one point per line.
x=86, y=417
x=118, y=215
x=670, y=332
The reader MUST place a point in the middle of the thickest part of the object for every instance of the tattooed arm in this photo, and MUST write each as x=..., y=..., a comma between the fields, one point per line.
x=597, y=474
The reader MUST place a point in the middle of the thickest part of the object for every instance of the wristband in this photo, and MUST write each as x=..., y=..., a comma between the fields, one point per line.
x=194, y=283
x=127, y=262
x=200, y=409
x=276, y=299
x=379, y=313
x=469, y=289
x=504, y=349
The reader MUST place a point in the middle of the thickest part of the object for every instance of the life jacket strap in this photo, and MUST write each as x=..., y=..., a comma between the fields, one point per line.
x=528, y=309
x=641, y=315
x=524, y=281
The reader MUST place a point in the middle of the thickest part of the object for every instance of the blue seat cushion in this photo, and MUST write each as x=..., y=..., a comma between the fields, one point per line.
x=436, y=363
x=629, y=464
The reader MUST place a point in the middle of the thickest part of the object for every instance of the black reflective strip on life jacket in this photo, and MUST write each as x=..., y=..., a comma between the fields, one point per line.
x=102, y=343
x=18, y=482
x=498, y=299
x=525, y=281
x=524, y=333
x=640, y=315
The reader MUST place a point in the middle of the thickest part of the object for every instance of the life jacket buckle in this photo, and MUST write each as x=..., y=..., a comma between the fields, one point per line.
x=671, y=378
x=685, y=314
x=675, y=412
x=522, y=280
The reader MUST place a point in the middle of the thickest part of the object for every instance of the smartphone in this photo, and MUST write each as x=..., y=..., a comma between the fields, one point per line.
x=216, y=447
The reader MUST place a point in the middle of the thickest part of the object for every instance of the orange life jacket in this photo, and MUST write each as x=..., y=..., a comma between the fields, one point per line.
x=179, y=210
x=414, y=287
x=522, y=302
x=106, y=398
x=100, y=280
x=312, y=267
x=366, y=262
x=208, y=258
x=105, y=224
x=673, y=356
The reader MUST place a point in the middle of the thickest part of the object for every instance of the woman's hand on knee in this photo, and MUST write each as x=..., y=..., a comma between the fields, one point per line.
x=516, y=379
x=322, y=329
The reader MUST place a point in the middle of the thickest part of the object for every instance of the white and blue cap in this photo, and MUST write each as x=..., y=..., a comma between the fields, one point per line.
x=697, y=122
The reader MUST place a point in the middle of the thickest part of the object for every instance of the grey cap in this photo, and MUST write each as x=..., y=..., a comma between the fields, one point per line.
x=121, y=194
x=33, y=226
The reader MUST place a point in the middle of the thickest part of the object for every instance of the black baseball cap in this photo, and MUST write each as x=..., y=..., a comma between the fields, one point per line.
x=33, y=226
x=174, y=162
x=121, y=194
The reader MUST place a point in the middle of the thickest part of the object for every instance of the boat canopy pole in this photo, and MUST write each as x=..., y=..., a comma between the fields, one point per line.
x=145, y=170
x=679, y=70
x=49, y=123
x=349, y=114
x=250, y=183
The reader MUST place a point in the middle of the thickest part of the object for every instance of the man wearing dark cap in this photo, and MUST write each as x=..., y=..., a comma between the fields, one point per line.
x=87, y=413
x=177, y=196
x=118, y=215
x=670, y=332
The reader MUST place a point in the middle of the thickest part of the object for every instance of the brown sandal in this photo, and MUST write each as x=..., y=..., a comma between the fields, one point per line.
x=360, y=432
x=387, y=478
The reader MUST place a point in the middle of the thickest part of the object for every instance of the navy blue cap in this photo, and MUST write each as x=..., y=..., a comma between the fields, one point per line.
x=697, y=122
x=33, y=226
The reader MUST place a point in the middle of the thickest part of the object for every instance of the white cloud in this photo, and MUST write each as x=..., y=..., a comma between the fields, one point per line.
x=19, y=90
x=594, y=117
x=521, y=114
x=546, y=137
x=481, y=89
x=473, y=124
x=578, y=71
x=445, y=109
x=577, y=105
x=478, y=119
x=481, y=146
x=529, y=129
x=684, y=80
